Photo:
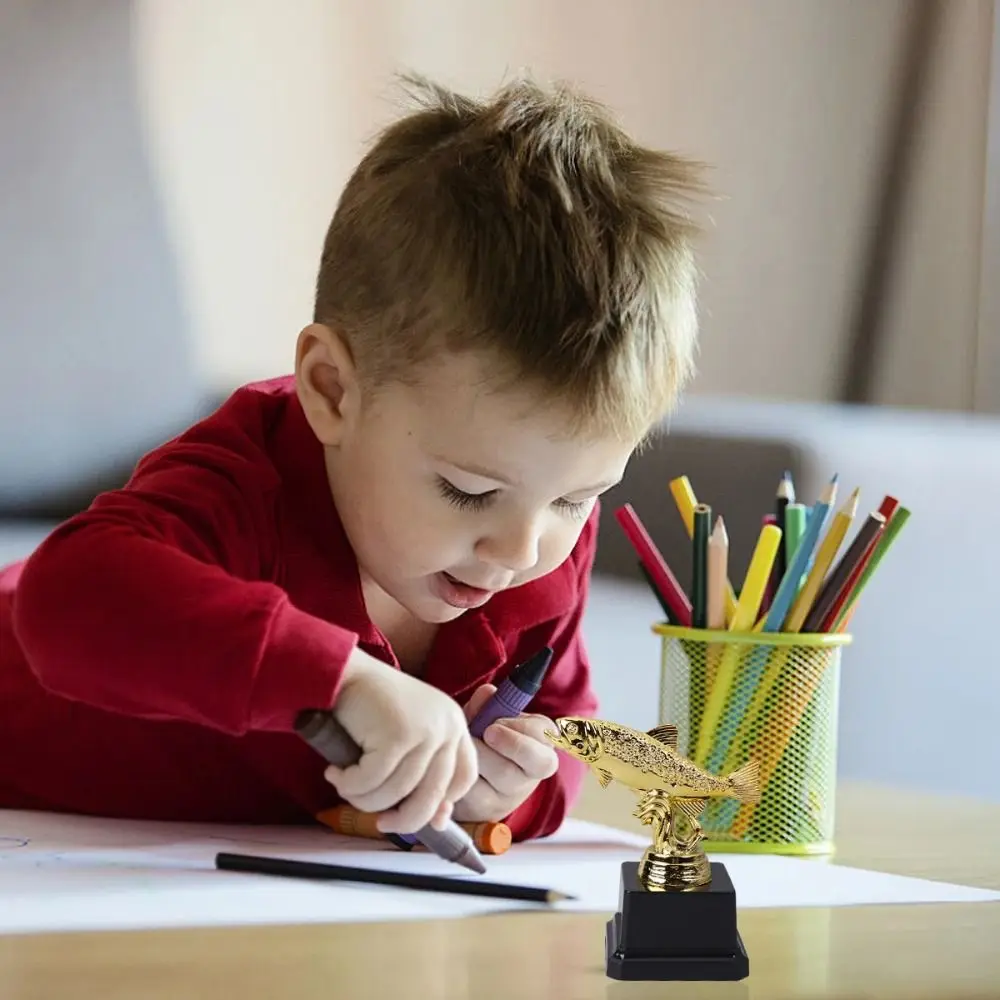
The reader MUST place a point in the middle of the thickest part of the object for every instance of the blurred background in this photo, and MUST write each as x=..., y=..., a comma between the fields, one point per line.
x=168, y=169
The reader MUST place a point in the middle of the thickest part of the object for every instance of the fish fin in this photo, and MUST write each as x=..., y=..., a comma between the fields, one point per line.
x=666, y=734
x=746, y=782
x=604, y=777
x=691, y=807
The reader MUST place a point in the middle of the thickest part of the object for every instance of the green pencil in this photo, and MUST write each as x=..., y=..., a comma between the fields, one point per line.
x=795, y=517
x=699, y=565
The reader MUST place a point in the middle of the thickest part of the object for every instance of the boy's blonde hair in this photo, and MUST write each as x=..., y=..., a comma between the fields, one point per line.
x=529, y=225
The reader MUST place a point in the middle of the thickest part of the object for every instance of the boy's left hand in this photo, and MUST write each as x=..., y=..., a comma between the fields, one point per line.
x=514, y=756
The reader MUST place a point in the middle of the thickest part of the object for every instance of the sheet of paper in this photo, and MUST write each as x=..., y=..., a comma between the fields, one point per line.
x=60, y=873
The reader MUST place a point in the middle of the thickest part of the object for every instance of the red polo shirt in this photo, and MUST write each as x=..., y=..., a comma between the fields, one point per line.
x=155, y=649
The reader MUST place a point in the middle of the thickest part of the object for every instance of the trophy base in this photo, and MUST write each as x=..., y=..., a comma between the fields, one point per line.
x=685, y=934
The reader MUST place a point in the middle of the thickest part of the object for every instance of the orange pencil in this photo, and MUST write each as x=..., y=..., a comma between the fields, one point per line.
x=489, y=838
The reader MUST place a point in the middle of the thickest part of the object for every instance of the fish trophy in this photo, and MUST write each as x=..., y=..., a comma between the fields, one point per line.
x=660, y=931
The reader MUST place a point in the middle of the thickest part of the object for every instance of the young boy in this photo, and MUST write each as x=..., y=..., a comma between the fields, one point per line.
x=505, y=307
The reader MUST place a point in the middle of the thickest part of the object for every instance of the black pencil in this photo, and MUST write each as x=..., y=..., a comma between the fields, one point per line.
x=699, y=565
x=405, y=880
x=784, y=495
x=656, y=593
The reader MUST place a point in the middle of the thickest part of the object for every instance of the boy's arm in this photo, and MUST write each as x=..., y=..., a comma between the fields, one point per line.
x=566, y=691
x=150, y=603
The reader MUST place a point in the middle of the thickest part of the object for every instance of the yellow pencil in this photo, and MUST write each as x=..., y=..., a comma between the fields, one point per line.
x=686, y=501
x=824, y=560
x=751, y=595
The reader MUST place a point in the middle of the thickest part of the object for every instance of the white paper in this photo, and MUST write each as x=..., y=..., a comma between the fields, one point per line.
x=61, y=873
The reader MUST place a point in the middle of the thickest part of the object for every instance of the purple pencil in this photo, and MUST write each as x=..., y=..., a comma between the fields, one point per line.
x=510, y=699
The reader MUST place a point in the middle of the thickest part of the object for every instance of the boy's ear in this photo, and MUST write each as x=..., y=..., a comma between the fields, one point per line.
x=326, y=382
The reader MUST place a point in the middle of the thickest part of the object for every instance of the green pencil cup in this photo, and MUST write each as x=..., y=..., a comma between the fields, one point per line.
x=769, y=697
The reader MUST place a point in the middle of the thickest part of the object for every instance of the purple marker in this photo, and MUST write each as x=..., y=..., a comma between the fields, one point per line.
x=510, y=699
x=514, y=693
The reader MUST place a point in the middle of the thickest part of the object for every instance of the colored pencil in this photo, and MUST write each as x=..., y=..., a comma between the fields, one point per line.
x=663, y=579
x=789, y=586
x=751, y=593
x=699, y=565
x=837, y=618
x=836, y=584
x=718, y=574
x=796, y=517
x=661, y=600
x=376, y=876
x=892, y=530
x=784, y=495
x=888, y=507
x=825, y=555
x=765, y=666
x=772, y=580
x=686, y=501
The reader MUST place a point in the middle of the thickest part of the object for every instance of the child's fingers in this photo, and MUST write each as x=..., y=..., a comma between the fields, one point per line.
x=371, y=772
x=531, y=725
x=423, y=803
x=502, y=775
x=396, y=786
x=440, y=819
x=536, y=759
x=480, y=696
x=466, y=769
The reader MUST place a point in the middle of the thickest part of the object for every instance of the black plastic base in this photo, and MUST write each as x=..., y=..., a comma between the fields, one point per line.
x=689, y=935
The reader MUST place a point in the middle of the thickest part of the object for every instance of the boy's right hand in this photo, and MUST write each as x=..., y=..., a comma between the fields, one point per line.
x=417, y=757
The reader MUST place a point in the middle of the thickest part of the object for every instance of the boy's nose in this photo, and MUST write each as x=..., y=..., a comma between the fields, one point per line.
x=516, y=549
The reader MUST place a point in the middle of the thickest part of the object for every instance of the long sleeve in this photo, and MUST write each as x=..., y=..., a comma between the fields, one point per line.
x=567, y=690
x=155, y=602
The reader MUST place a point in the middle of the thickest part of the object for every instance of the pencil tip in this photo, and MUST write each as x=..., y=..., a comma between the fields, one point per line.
x=557, y=897
x=835, y=477
x=719, y=533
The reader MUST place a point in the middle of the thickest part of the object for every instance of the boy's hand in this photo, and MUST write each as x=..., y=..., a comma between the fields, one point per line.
x=514, y=756
x=417, y=757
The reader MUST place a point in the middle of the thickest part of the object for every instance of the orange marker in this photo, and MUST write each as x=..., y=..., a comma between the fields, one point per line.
x=489, y=838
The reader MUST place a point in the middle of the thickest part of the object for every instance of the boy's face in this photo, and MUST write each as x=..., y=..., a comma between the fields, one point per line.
x=450, y=492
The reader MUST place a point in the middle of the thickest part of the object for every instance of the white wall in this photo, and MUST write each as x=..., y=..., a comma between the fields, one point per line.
x=256, y=112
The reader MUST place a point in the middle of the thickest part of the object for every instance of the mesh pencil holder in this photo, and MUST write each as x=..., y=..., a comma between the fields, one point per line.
x=772, y=697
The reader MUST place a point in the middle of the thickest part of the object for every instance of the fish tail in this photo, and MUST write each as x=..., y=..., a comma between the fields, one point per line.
x=746, y=782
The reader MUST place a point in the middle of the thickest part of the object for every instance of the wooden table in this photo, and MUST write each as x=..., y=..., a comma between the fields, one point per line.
x=911, y=952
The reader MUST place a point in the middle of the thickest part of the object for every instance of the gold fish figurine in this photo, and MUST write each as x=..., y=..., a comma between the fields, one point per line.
x=673, y=791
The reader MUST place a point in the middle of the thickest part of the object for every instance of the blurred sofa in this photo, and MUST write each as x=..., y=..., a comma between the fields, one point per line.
x=920, y=686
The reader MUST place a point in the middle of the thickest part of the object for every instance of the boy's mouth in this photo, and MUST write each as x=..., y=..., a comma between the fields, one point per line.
x=458, y=594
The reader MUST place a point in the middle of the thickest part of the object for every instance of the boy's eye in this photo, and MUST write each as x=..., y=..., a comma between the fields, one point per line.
x=575, y=508
x=461, y=499
x=478, y=501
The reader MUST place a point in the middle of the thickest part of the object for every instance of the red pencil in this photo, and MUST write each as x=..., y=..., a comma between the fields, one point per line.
x=664, y=581
x=888, y=507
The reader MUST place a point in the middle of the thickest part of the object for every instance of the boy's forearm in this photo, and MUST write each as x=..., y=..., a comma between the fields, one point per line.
x=129, y=624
